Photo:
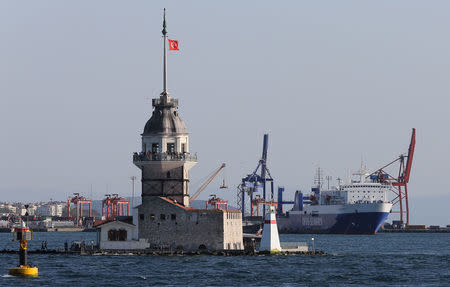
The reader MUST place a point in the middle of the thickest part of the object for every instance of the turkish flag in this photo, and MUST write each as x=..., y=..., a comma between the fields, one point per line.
x=173, y=45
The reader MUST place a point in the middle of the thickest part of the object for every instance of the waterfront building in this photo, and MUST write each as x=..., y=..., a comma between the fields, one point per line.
x=50, y=209
x=119, y=234
x=6, y=208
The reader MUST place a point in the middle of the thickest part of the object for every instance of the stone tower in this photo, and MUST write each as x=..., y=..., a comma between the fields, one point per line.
x=164, y=217
x=165, y=159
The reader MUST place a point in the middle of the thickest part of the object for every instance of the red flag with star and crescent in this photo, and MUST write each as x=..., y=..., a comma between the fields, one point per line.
x=173, y=44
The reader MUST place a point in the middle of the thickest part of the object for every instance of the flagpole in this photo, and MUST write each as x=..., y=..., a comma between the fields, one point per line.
x=164, y=32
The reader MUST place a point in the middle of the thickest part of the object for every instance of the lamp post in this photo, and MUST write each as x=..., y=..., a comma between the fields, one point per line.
x=314, y=249
x=328, y=178
x=133, y=179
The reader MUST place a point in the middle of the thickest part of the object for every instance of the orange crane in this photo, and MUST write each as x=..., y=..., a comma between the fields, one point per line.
x=207, y=182
x=115, y=206
x=216, y=203
x=257, y=201
x=79, y=200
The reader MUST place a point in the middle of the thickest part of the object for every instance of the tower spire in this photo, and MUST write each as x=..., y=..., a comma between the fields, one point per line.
x=164, y=32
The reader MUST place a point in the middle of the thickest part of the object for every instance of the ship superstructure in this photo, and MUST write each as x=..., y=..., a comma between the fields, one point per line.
x=355, y=191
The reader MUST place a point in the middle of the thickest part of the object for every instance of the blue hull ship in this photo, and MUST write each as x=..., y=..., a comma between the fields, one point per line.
x=358, y=207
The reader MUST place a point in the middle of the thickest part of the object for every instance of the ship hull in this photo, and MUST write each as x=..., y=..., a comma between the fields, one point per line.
x=340, y=219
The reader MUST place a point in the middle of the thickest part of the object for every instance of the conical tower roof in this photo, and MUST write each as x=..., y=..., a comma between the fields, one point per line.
x=165, y=119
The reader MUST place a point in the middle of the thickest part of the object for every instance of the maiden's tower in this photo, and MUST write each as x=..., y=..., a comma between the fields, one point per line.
x=164, y=217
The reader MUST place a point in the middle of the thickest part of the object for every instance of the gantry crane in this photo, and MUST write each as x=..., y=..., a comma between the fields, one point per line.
x=399, y=181
x=115, y=206
x=254, y=181
x=216, y=203
x=78, y=201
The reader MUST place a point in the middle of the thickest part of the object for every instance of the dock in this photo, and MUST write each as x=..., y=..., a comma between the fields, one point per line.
x=409, y=230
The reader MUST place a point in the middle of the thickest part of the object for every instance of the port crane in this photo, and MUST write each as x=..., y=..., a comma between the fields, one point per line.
x=215, y=202
x=400, y=180
x=114, y=205
x=78, y=200
x=255, y=181
x=207, y=182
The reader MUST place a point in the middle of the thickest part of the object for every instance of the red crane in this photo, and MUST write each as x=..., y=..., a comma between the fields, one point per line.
x=257, y=201
x=79, y=200
x=399, y=181
x=216, y=202
x=115, y=206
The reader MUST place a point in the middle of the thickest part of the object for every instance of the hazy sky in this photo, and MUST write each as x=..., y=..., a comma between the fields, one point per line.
x=330, y=81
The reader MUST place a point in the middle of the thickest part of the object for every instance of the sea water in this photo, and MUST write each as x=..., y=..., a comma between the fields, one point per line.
x=385, y=259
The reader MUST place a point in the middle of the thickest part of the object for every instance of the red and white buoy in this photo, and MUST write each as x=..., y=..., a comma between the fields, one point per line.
x=270, y=240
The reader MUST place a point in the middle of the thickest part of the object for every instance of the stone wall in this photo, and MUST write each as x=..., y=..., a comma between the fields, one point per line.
x=233, y=237
x=166, y=179
x=168, y=224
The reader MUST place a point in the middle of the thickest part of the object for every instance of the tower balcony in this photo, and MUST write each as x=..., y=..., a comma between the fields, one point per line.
x=163, y=156
x=160, y=102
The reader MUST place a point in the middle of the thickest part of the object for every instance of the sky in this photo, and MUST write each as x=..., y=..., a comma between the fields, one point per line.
x=331, y=82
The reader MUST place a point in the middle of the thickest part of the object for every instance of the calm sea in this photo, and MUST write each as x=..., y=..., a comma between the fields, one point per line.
x=358, y=260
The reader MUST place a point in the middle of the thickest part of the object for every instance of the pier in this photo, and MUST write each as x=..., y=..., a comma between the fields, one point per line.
x=164, y=252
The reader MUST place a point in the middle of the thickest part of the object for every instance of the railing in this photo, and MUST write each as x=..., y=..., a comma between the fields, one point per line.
x=158, y=102
x=164, y=156
x=293, y=245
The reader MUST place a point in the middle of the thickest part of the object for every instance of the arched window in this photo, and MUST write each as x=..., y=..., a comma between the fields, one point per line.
x=111, y=234
x=122, y=235
x=117, y=235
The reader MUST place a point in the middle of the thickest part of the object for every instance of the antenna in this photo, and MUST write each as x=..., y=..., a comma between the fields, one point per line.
x=318, y=180
x=164, y=32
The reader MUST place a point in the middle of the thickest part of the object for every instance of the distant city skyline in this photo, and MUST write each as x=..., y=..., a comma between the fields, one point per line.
x=329, y=82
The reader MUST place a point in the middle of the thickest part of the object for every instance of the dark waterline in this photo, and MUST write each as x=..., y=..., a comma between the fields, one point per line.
x=381, y=260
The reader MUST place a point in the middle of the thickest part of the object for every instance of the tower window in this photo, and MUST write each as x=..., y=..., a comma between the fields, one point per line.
x=183, y=147
x=141, y=216
x=155, y=147
x=162, y=216
x=173, y=216
x=171, y=147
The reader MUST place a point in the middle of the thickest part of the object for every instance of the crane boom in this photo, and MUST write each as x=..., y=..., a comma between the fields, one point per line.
x=264, y=156
x=410, y=156
x=207, y=182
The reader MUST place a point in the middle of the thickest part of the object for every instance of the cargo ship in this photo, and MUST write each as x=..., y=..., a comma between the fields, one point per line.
x=359, y=206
